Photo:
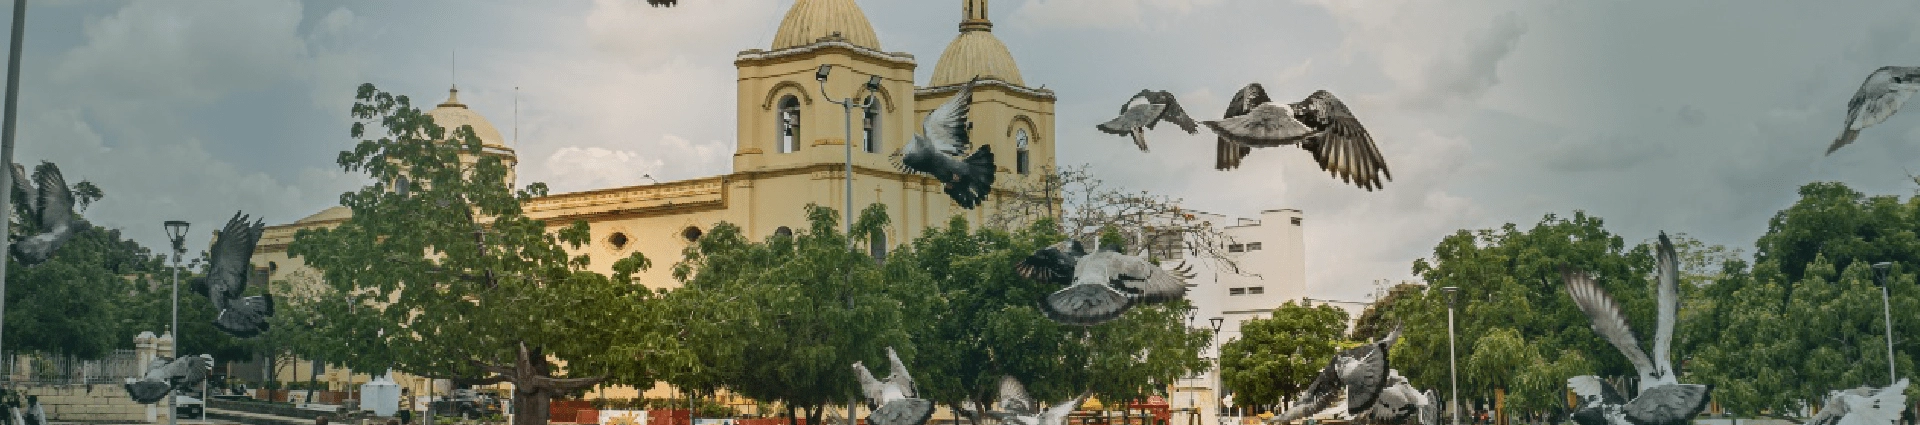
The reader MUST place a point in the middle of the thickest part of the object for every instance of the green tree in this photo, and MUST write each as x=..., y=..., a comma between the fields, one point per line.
x=80, y=302
x=1279, y=356
x=1372, y=323
x=784, y=319
x=450, y=279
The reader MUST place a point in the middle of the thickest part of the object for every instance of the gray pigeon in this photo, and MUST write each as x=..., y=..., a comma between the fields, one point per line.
x=892, y=400
x=1017, y=408
x=49, y=208
x=938, y=152
x=1143, y=112
x=1321, y=124
x=179, y=374
x=227, y=276
x=1360, y=371
x=1878, y=98
x=1663, y=400
x=1401, y=404
x=1101, y=285
x=1863, y=406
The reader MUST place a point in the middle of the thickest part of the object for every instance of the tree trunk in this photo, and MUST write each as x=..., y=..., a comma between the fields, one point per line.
x=1500, y=406
x=791, y=418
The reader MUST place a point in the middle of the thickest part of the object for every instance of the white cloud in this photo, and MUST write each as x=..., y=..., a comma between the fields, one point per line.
x=1100, y=14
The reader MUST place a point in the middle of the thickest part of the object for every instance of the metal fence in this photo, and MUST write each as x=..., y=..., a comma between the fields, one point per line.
x=115, y=368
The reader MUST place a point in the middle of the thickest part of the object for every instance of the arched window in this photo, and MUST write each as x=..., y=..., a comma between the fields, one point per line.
x=872, y=125
x=789, y=124
x=783, y=231
x=878, y=246
x=1021, y=161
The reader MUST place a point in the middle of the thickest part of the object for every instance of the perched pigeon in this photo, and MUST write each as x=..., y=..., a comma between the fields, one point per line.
x=1878, y=98
x=1101, y=285
x=937, y=152
x=892, y=400
x=1321, y=124
x=50, y=208
x=227, y=276
x=1143, y=112
x=1401, y=404
x=179, y=374
x=1017, y=408
x=1361, y=371
x=1863, y=406
x=1663, y=400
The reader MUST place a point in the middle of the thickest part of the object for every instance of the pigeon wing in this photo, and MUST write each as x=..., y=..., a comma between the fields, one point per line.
x=946, y=126
x=1053, y=264
x=1668, y=404
x=906, y=411
x=1830, y=412
x=1591, y=390
x=1014, y=398
x=1878, y=98
x=1342, y=146
x=1367, y=379
x=1320, y=395
x=898, y=376
x=1085, y=304
x=55, y=199
x=1173, y=112
x=232, y=250
x=1668, y=299
x=1147, y=282
x=1604, y=315
x=1230, y=152
x=245, y=317
x=1267, y=125
x=869, y=387
x=1882, y=407
x=1057, y=414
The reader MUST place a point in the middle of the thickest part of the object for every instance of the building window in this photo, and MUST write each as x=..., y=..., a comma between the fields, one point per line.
x=872, y=120
x=1296, y=221
x=618, y=240
x=1236, y=291
x=789, y=124
x=691, y=233
x=783, y=231
x=1253, y=246
x=878, y=246
x=1257, y=290
x=1021, y=160
x=1236, y=248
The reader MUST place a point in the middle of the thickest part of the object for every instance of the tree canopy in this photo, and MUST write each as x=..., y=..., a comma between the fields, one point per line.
x=1278, y=356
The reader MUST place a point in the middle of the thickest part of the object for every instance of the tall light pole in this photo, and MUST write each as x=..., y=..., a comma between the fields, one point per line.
x=1193, y=398
x=6, y=141
x=176, y=233
x=847, y=105
x=1453, y=367
x=1880, y=271
x=1219, y=384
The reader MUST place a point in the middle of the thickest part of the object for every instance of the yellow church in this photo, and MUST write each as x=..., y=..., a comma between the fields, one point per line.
x=791, y=151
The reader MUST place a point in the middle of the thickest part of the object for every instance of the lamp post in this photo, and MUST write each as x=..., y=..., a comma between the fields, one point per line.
x=1219, y=384
x=847, y=105
x=1193, y=398
x=6, y=142
x=1453, y=367
x=176, y=233
x=1880, y=271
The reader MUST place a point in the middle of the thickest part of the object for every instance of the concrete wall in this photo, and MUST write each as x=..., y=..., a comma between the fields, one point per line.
x=89, y=403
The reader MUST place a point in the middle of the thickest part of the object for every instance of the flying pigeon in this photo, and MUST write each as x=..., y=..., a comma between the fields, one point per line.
x=1362, y=371
x=1143, y=112
x=1863, y=406
x=49, y=208
x=667, y=3
x=179, y=374
x=1401, y=404
x=1017, y=408
x=1101, y=285
x=1663, y=400
x=892, y=400
x=938, y=152
x=1878, y=98
x=1321, y=124
x=227, y=276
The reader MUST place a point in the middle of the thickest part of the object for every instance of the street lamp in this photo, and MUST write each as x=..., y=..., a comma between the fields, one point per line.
x=176, y=233
x=6, y=138
x=1219, y=384
x=847, y=105
x=1453, y=367
x=1880, y=271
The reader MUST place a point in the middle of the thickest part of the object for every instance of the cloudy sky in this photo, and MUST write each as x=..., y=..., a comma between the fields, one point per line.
x=1700, y=117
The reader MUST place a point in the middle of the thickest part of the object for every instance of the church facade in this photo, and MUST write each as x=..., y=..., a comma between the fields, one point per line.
x=791, y=149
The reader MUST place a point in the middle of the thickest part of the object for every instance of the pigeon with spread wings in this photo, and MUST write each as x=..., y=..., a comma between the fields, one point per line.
x=227, y=276
x=1360, y=371
x=1018, y=408
x=893, y=399
x=179, y=374
x=1100, y=285
x=938, y=151
x=1863, y=406
x=1143, y=112
x=1321, y=124
x=1885, y=90
x=1663, y=400
x=49, y=208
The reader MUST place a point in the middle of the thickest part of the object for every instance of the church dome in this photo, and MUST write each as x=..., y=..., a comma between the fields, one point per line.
x=452, y=114
x=975, y=52
x=809, y=20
